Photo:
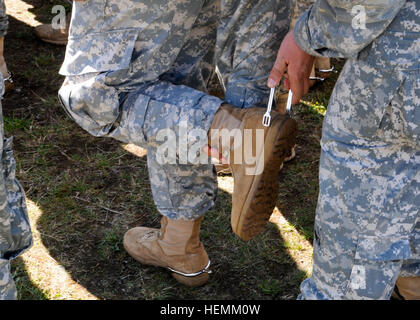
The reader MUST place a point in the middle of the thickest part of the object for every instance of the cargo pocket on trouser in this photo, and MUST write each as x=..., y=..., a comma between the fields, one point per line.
x=19, y=232
x=358, y=103
x=411, y=106
x=85, y=95
x=376, y=267
x=401, y=123
x=99, y=52
x=91, y=104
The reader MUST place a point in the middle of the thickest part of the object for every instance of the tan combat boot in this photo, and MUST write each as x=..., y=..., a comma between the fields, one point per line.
x=176, y=246
x=255, y=194
x=281, y=102
x=48, y=34
x=407, y=288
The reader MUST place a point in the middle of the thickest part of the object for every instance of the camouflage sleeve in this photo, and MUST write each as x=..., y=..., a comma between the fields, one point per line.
x=4, y=22
x=337, y=28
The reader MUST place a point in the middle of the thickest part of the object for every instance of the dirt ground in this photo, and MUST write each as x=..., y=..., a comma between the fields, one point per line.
x=83, y=193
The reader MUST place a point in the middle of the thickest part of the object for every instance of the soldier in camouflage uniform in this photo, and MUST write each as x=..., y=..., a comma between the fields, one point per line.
x=15, y=232
x=137, y=67
x=367, y=228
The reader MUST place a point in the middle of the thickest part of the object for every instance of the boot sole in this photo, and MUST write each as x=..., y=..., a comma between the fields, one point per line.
x=188, y=281
x=58, y=43
x=263, y=191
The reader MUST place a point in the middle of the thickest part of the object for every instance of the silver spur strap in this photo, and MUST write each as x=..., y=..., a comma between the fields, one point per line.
x=205, y=270
x=9, y=77
x=316, y=78
x=267, y=116
x=328, y=70
x=289, y=102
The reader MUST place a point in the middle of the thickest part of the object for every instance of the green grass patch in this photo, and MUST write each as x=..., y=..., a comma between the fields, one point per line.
x=110, y=244
x=12, y=124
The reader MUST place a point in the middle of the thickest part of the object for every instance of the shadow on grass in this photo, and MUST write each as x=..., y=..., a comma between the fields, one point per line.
x=85, y=215
x=89, y=191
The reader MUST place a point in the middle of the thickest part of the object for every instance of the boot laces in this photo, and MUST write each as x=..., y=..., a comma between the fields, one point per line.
x=149, y=235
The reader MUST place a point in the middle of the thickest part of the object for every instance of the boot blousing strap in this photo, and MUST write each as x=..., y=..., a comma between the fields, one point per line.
x=205, y=270
x=9, y=77
x=289, y=102
x=328, y=70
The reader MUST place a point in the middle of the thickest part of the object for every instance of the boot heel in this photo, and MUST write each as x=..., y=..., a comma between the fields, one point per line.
x=192, y=279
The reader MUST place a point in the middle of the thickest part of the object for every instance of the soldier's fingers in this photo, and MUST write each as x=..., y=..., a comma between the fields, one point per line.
x=306, y=84
x=277, y=73
x=297, y=87
x=287, y=84
x=215, y=155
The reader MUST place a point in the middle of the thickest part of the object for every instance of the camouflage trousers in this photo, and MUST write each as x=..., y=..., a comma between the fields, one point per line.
x=131, y=73
x=367, y=228
x=15, y=232
x=4, y=22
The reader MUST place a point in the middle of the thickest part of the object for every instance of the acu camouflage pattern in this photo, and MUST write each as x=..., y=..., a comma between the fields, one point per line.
x=367, y=228
x=15, y=232
x=300, y=6
x=4, y=22
x=135, y=67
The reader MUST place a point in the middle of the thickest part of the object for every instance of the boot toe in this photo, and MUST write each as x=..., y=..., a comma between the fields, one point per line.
x=135, y=238
x=43, y=31
x=46, y=33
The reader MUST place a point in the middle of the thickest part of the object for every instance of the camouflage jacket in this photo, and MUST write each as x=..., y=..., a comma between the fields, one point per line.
x=384, y=33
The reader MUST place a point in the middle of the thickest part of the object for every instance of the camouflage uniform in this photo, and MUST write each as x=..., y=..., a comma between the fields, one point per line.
x=321, y=64
x=4, y=22
x=300, y=6
x=15, y=232
x=142, y=66
x=367, y=228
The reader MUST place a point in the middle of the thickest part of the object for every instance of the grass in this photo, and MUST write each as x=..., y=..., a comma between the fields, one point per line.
x=84, y=192
x=12, y=124
x=110, y=244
